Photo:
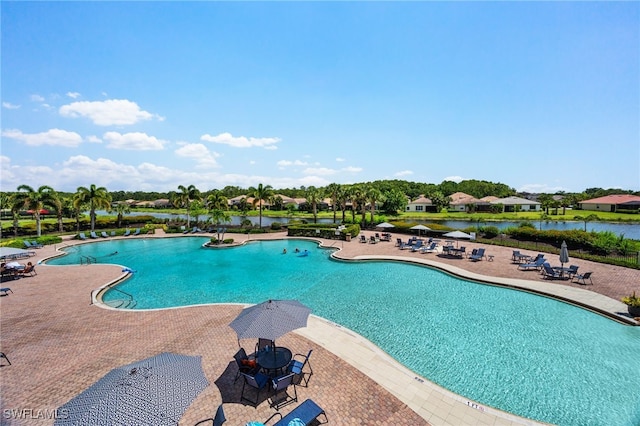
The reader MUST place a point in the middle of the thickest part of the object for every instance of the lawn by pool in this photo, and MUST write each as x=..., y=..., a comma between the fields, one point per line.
x=529, y=355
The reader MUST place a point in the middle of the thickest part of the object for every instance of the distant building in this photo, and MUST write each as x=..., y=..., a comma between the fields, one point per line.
x=512, y=204
x=611, y=203
x=421, y=205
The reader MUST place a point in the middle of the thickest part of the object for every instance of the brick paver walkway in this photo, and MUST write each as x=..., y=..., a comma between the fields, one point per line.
x=59, y=343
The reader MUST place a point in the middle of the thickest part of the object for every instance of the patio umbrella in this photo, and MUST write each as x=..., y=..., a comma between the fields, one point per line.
x=420, y=228
x=270, y=319
x=564, y=254
x=155, y=390
x=457, y=234
x=385, y=225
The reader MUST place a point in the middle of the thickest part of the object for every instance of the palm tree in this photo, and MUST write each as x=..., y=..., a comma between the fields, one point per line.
x=58, y=202
x=35, y=200
x=95, y=198
x=332, y=190
x=314, y=195
x=185, y=196
x=342, y=196
x=219, y=216
x=373, y=195
x=217, y=200
x=356, y=194
x=260, y=194
x=121, y=209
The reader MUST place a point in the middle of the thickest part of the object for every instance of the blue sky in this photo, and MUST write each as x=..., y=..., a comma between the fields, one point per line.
x=541, y=96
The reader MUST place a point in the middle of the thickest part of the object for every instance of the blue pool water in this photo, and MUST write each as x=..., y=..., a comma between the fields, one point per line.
x=529, y=355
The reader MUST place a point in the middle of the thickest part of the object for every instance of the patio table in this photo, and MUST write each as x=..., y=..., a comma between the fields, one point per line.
x=274, y=359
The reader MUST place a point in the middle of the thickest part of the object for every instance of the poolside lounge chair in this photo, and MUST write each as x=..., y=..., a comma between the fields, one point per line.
x=398, y=242
x=363, y=238
x=431, y=248
x=126, y=233
x=2, y=355
x=280, y=395
x=306, y=412
x=373, y=239
x=534, y=265
x=93, y=234
x=296, y=366
x=32, y=244
x=549, y=273
x=82, y=236
x=104, y=234
x=416, y=246
x=478, y=256
x=4, y=291
x=28, y=270
x=583, y=277
x=137, y=231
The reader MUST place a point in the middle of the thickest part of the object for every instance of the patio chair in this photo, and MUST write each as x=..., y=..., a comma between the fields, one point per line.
x=218, y=419
x=583, y=277
x=93, y=234
x=5, y=291
x=549, y=273
x=82, y=236
x=573, y=269
x=264, y=343
x=126, y=233
x=2, y=355
x=416, y=246
x=398, y=242
x=30, y=270
x=244, y=364
x=137, y=232
x=306, y=412
x=429, y=249
x=257, y=382
x=296, y=366
x=472, y=253
x=363, y=238
x=280, y=395
x=478, y=256
x=104, y=234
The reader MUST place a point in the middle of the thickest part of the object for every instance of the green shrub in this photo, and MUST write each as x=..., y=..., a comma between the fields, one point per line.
x=490, y=231
x=276, y=226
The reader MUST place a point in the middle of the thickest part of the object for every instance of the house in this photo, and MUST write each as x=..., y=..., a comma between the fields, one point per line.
x=162, y=202
x=611, y=203
x=460, y=201
x=421, y=204
x=512, y=204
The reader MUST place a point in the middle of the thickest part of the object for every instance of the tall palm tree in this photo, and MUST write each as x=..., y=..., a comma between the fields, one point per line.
x=34, y=200
x=342, y=196
x=260, y=194
x=121, y=208
x=217, y=200
x=358, y=200
x=59, y=203
x=332, y=190
x=314, y=195
x=219, y=216
x=185, y=196
x=95, y=198
x=373, y=195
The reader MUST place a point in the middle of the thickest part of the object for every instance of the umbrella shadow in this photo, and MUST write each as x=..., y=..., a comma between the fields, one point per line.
x=231, y=389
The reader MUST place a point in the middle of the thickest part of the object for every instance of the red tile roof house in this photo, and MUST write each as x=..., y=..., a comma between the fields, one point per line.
x=612, y=203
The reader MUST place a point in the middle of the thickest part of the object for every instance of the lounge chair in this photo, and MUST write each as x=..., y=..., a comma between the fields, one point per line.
x=126, y=233
x=538, y=264
x=373, y=240
x=429, y=249
x=104, y=234
x=549, y=273
x=306, y=412
x=4, y=291
x=363, y=238
x=416, y=246
x=398, y=242
x=583, y=277
x=93, y=234
x=473, y=253
x=478, y=256
x=32, y=244
x=137, y=231
x=82, y=236
x=28, y=270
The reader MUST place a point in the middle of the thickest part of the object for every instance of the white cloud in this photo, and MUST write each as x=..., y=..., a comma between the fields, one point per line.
x=54, y=137
x=456, y=179
x=340, y=159
x=403, y=173
x=241, y=141
x=286, y=163
x=73, y=95
x=6, y=173
x=9, y=105
x=112, y=112
x=198, y=152
x=94, y=139
x=352, y=169
x=135, y=141
x=36, y=98
x=323, y=171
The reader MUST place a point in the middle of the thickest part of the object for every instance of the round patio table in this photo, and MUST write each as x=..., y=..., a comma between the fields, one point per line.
x=274, y=360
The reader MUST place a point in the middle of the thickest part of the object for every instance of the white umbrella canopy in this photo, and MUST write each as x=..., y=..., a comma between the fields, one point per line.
x=457, y=234
x=420, y=228
x=385, y=225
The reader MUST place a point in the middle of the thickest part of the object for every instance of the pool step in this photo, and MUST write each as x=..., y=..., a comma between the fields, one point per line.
x=121, y=303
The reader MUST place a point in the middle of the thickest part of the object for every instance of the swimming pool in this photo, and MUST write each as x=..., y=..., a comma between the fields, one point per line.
x=529, y=355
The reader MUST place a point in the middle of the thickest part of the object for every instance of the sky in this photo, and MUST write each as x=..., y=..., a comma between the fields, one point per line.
x=147, y=96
